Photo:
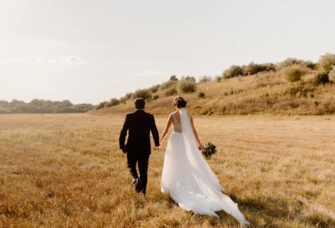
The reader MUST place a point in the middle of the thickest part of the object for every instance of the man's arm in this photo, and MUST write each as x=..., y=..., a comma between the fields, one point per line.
x=123, y=134
x=154, y=132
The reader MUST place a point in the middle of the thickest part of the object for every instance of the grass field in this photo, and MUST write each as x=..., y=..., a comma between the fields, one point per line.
x=65, y=170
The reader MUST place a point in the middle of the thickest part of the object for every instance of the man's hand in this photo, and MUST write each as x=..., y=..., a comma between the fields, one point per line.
x=124, y=150
x=159, y=147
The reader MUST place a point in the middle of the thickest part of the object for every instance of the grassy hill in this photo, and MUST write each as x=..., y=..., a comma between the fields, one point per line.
x=264, y=92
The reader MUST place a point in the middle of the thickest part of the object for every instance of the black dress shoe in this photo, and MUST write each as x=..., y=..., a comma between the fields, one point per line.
x=138, y=185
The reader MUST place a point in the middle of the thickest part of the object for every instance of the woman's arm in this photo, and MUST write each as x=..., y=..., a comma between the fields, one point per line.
x=166, y=130
x=196, y=135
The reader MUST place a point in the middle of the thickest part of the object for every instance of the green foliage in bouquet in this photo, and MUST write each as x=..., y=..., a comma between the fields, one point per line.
x=210, y=150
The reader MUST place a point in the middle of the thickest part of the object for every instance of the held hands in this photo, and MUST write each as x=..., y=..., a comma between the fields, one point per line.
x=159, y=147
x=124, y=150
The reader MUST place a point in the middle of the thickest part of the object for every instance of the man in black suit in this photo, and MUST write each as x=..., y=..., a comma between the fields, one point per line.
x=138, y=149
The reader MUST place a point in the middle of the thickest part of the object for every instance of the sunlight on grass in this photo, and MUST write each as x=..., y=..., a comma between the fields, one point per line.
x=67, y=171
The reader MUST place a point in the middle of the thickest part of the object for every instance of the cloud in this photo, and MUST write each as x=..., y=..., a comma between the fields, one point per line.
x=73, y=59
x=153, y=73
x=70, y=59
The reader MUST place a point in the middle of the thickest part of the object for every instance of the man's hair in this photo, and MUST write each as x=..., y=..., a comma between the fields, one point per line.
x=139, y=103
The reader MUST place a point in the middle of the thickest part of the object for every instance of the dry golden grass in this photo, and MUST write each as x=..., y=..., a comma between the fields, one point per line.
x=65, y=170
x=264, y=93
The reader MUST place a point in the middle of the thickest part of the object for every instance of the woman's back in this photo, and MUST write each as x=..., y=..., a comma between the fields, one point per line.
x=176, y=122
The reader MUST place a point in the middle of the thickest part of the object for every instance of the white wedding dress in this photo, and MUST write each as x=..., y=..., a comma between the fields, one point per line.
x=188, y=178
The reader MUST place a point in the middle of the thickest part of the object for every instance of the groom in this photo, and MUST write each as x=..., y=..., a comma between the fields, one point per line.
x=138, y=149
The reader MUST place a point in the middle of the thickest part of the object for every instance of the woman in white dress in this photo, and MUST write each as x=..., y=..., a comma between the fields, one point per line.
x=186, y=175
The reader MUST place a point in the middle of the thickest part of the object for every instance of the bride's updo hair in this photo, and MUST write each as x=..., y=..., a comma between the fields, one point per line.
x=179, y=102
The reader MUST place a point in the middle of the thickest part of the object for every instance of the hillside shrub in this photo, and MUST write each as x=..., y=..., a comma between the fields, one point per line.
x=142, y=93
x=268, y=67
x=156, y=97
x=186, y=86
x=251, y=69
x=188, y=78
x=168, y=84
x=326, y=62
x=302, y=89
x=254, y=68
x=123, y=99
x=154, y=88
x=205, y=78
x=170, y=92
x=173, y=78
x=129, y=95
x=201, y=95
x=101, y=105
x=321, y=78
x=112, y=102
x=332, y=74
x=232, y=71
x=218, y=78
x=294, y=73
x=293, y=61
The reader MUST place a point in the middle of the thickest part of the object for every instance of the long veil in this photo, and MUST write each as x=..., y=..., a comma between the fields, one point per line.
x=204, y=176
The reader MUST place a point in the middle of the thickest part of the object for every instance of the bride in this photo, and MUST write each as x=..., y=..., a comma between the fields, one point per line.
x=186, y=175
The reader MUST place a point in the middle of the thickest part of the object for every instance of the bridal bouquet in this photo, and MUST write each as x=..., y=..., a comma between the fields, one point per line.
x=210, y=150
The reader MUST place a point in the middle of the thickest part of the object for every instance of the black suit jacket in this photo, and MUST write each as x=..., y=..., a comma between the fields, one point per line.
x=139, y=124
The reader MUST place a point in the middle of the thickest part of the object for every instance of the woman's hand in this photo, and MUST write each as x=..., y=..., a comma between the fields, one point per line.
x=159, y=147
x=202, y=147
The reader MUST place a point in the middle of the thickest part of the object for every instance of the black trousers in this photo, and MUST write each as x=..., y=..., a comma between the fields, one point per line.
x=143, y=162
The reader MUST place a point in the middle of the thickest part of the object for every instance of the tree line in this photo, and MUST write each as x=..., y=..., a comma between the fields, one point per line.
x=42, y=106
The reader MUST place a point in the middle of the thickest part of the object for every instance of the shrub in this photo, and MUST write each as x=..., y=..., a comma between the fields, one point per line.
x=142, y=93
x=201, y=95
x=326, y=62
x=128, y=95
x=170, y=92
x=268, y=67
x=321, y=78
x=253, y=68
x=168, y=84
x=293, y=61
x=205, y=78
x=100, y=105
x=112, y=102
x=186, y=86
x=332, y=74
x=173, y=78
x=156, y=97
x=217, y=78
x=154, y=88
x=123, y=99
x=232, y=71
x=294, y=73
x=302, y=89
x=191, y=78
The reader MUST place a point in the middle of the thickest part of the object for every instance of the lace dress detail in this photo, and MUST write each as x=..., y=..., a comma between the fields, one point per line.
x=176, y=125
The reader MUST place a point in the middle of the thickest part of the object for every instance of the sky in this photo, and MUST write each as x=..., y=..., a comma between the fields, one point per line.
x=88, y=51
